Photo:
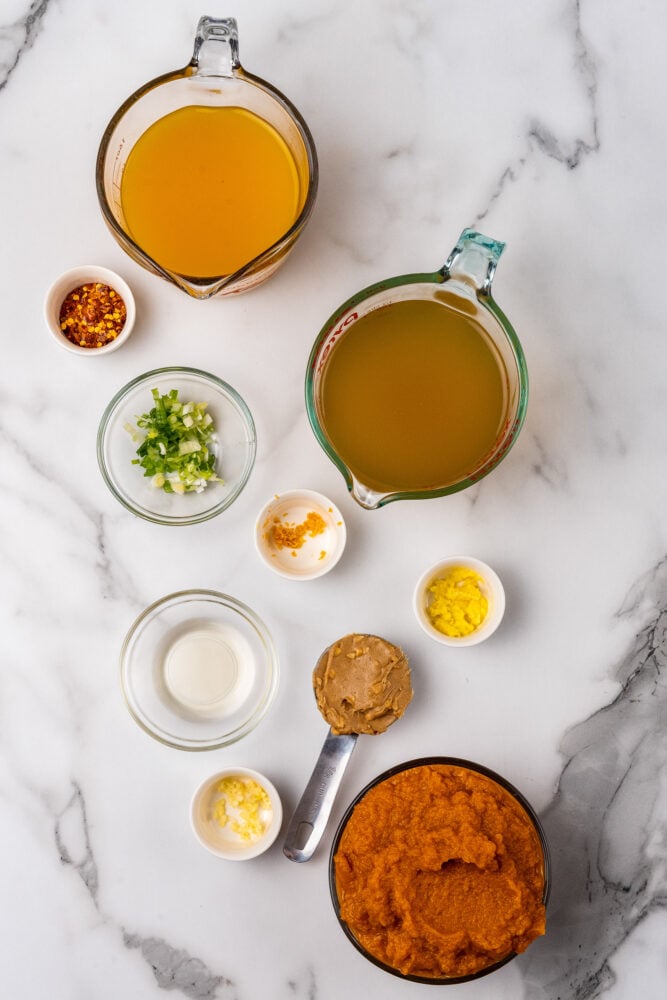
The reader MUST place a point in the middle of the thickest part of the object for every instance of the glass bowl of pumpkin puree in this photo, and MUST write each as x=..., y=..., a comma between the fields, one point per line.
x=439, y=871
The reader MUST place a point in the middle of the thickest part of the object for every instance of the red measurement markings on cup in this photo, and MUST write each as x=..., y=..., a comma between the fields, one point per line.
x=333, y=337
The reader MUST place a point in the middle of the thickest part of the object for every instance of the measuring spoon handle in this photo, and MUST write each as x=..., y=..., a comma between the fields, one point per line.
x=310, y=816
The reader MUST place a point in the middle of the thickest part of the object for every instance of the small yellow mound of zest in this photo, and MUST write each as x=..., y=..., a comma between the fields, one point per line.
x=457, y=604
x=286, y=535
x=246, y=799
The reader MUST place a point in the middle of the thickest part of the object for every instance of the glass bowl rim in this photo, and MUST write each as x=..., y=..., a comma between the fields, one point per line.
x=406, y=766
x=228, y=392
x=271, y=666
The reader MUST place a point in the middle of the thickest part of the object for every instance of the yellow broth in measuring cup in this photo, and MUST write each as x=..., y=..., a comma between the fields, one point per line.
x=417, y=386
x=415, y=398
x=207, y=176
x=205, y=190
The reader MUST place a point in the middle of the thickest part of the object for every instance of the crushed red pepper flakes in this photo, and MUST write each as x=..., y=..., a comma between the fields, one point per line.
x=92, y=315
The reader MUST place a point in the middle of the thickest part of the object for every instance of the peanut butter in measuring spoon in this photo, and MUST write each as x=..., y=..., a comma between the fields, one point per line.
x=362, y=684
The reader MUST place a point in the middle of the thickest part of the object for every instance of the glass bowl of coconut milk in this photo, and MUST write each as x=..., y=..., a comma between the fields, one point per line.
x=198, y=670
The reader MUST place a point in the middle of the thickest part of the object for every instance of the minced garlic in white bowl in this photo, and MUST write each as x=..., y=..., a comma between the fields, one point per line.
x=236, y=814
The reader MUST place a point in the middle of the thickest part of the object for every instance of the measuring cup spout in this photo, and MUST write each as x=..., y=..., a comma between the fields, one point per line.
x=199, y=289
x=366, y=497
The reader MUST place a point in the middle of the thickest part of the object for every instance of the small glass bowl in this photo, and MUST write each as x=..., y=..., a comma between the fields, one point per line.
x=491, y=587
x=74, y=278
x=421, y=762
x=223, y=841
x=198, y=670
x=236, y=446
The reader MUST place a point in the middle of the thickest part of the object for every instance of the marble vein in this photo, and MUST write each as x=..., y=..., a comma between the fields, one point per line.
x=606, y=830
x=173, y=968
x=305, y=987
x=73, y=842
x=546, y=468
x=36, y=499
x=292, y=26
x=539, y=137
x=16, y=38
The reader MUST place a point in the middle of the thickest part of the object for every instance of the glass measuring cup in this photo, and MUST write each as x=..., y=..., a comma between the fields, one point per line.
x=214, y=78
x=463, y=287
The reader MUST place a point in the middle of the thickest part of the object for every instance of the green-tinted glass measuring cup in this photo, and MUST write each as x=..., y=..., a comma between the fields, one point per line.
x=458, y=300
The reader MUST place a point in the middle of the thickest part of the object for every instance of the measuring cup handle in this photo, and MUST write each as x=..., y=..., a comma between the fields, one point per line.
x=216, y=51
x=310, y=816
x=474, y=260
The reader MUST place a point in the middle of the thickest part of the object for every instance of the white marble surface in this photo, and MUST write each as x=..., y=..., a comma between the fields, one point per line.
x=541, y=124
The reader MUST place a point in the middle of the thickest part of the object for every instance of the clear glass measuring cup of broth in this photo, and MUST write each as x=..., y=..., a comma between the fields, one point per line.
x=207, y=175
x=417, y=386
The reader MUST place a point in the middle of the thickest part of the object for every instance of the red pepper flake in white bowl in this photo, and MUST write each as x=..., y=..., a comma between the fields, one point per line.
x=90, y=310
x=92, y=315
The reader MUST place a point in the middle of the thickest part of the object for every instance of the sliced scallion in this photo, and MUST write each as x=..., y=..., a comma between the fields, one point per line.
x=175, y=440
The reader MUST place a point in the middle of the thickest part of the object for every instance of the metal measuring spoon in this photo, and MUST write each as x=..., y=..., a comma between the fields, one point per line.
x=362, y=685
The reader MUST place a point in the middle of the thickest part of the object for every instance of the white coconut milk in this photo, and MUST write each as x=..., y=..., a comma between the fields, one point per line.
x=209, y=669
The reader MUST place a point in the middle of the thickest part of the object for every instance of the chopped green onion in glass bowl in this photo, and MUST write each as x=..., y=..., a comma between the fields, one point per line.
x=176, y=445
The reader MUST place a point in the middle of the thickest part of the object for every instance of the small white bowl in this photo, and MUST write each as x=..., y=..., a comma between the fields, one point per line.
x=72, y=279
x=317, y=555
x=221, y=840
x=491, y=587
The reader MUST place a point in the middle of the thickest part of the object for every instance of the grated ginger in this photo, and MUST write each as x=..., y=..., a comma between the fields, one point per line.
x=457, y=605
x=241, y=803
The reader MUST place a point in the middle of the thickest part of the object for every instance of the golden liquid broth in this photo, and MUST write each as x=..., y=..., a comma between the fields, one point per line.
x=413, y=396
x=207, y=189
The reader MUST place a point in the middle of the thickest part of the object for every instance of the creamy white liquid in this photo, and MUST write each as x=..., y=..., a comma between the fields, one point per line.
x=209, y=669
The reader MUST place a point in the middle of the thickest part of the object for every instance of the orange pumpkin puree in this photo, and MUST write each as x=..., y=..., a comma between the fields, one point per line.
x=440, y=872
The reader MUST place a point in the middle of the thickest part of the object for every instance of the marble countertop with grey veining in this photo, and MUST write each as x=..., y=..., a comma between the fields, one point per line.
x=540, y=124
